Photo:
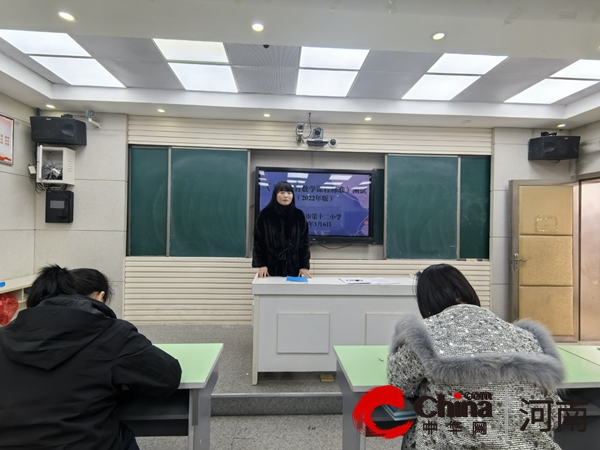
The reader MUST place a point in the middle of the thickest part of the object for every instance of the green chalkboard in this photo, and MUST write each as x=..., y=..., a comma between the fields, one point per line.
x=421, y=207
x=474, y=207
x=208, y=202
x=148, y=169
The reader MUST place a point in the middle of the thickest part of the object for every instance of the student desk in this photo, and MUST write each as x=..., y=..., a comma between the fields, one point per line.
x=187, y=411
x=360, y=368
x=296, y=325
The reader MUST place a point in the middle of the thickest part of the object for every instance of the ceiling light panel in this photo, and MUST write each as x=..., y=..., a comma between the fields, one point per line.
x=587, y=69
x=79, y=71
x=43, y=43
x=204, y=77
x=324, y=83
x=465, y=64
x=439, y=87
x=549, y=91
x=332, y=58
x=195, y=51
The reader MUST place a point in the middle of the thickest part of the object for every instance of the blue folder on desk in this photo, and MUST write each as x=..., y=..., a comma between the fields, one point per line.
x=297, y=279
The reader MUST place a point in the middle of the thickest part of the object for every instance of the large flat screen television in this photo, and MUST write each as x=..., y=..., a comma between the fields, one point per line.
x=338, y=204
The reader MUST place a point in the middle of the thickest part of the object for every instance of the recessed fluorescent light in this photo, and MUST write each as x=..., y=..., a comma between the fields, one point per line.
x=51, y=106
x=588, y=69
x=79, y=71
x=550, y=90
x=258, y=27
x=43, y=43
x=465, y=64
x=161, y=110
x=439, y=87
x=200, y=51
x=297, y=175
x=340, y=177
x=66, y=16
x=561, y=125
x=368, y=119
x=325, y=83
x=438, y=36
x=267, y=115
x=332, y=58
x=204, y=77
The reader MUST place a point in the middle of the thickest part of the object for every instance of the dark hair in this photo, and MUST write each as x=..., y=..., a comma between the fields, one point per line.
x=89, y=281
x=52, y=280
x=281, y=186
x=441, y=286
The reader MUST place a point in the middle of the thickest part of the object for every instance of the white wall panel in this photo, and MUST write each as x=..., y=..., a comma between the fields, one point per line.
x=219, y=290
x=145, y=130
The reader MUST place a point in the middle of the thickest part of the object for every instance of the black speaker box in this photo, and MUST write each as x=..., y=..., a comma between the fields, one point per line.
x=58, y=130
x=554, y=147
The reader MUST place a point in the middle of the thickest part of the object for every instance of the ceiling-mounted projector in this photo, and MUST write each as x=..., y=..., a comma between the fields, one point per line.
x=317, y=142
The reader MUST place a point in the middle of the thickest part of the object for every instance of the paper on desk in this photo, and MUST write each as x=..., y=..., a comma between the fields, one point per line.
x=356, y=280
x=369, y=281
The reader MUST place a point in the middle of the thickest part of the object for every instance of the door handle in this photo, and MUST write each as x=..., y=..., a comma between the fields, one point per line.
x=515, y=260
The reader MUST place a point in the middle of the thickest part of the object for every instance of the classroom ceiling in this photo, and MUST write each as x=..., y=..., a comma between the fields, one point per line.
x=538, y=37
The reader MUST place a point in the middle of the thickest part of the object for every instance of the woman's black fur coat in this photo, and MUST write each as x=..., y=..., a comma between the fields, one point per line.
x=281, y=239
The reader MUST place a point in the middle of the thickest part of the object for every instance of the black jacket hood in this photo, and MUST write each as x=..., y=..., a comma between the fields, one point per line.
x=50, y=333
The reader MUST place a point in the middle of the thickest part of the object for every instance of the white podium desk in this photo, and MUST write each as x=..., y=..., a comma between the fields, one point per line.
x=296, y=324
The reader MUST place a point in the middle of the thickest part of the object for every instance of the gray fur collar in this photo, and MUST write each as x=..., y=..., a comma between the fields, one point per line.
x=546, y=370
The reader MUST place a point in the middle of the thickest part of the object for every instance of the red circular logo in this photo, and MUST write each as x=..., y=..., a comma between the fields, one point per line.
x=382, y=395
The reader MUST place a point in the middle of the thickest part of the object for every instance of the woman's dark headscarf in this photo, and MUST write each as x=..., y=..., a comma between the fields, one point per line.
x=282, y=186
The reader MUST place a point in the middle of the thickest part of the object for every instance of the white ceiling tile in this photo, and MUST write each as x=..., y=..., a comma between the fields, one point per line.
x=193, y=51
x=43, y=43
x=204, y=77
x=439, y=87
x=258, y=55
x=457, y=63
x=324, y=83
x=550, y=90
x=332, y=58
x=266, y=80
x=79, y=71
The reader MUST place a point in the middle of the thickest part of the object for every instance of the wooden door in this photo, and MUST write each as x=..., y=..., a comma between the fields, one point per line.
x=543, y=260
x=590, y=261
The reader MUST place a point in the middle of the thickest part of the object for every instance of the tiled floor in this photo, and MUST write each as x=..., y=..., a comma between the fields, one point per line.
x=323, y=432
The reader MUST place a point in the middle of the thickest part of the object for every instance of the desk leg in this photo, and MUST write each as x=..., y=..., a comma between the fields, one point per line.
x=199, y=425
x=351, y=438
x=255, y=340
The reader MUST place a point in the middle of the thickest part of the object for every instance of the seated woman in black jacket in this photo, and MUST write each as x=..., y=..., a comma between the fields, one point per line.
x=64, y=362
x=281, y=245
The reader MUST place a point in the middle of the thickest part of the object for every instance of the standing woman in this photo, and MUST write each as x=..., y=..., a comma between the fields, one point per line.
x=281, y=245
x=65, y=361
x=461, y=352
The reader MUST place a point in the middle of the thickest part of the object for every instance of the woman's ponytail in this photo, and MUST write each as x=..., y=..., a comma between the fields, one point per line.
x=52, y=280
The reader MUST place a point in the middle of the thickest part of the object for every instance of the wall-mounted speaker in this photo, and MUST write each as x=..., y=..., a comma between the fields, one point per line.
x=58, y=130
x=554, y=147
